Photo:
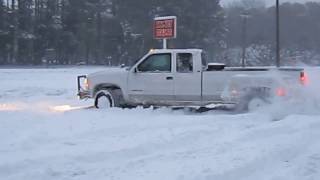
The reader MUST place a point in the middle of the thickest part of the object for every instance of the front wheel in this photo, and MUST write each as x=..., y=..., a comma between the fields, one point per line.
x=106, y=98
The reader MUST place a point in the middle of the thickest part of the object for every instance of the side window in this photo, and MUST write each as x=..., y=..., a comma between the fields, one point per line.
x=156, y=63
x=184, y=63
x=204, y=61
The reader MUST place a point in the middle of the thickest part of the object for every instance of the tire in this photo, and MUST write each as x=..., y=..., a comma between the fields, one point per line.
x=256, y=104
x=108, y=98
x=252, y=103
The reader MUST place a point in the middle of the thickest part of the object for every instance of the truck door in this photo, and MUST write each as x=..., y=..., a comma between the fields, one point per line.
x=152, y=80
x=187, y=77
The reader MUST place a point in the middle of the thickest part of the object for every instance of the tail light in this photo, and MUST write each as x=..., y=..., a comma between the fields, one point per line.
x=304, y=78
x=281, y=92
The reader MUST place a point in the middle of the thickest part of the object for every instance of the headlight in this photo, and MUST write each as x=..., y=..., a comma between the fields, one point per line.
x=86, y=84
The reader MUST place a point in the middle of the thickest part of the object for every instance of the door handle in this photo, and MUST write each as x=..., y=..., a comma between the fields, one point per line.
x=169, y=78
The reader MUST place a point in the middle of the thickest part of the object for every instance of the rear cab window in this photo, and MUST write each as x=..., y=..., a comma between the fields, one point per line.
x=184, y=63
x=204, y=60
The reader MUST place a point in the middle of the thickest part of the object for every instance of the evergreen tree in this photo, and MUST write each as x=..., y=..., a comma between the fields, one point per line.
x=2, y=33
x=25, y=33
x=201, y=24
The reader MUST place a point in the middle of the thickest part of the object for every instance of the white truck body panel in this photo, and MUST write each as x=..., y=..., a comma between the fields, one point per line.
x=150, y=87
x=111, y=77
x=215, y=82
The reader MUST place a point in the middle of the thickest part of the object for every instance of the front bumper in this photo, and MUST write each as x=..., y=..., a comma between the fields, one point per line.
x=82, y=92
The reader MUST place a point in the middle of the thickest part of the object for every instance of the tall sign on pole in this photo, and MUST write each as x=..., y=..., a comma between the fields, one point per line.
x=165, y=28
x=278, y=34
x=245, y=16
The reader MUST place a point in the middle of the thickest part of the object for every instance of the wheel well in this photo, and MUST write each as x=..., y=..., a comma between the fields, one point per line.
x=105, y=86
x=116, y=92
x=257, y=91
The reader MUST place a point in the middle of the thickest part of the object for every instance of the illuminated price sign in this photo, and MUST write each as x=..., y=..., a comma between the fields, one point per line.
x=165, y=27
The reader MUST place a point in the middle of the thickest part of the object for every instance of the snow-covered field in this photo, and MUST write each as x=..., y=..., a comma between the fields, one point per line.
x=45, y=133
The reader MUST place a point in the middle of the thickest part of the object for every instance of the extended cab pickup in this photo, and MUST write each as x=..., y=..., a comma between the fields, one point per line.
x=181, y=77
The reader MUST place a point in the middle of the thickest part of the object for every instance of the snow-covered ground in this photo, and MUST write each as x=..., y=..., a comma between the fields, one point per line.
x=45, y=133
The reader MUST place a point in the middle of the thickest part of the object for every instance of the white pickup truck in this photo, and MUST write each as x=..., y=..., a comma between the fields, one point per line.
x=181, y=78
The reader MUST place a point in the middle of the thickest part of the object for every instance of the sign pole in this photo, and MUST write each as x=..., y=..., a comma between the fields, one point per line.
x=165, y=44
x=278, y=34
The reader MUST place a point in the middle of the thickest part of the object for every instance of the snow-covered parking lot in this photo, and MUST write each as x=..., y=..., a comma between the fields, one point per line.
x=47, y=133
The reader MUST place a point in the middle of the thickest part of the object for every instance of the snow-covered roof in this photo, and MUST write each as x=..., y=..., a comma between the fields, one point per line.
x=175, y=50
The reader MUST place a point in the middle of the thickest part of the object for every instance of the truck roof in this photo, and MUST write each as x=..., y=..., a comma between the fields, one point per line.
x=176, y=50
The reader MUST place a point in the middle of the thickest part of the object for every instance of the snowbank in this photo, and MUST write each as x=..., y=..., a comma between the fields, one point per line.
x=46, y=133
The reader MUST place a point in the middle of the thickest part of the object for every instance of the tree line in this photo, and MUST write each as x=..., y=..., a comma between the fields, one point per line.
x=99, y=31
x=113, y=32
x=299, y=33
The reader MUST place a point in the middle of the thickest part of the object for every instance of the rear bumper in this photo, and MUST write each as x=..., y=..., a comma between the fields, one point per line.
x=82, y=93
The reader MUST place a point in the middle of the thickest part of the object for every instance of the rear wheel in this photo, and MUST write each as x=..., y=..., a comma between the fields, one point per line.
x=252, y=103
x=256, y=103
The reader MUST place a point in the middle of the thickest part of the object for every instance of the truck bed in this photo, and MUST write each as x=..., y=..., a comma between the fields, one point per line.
x=267, y=68
x=215, y=83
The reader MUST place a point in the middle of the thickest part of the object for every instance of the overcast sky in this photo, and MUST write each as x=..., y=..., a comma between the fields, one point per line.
x=268, y=2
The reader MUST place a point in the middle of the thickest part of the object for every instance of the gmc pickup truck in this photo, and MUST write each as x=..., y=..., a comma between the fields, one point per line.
x=182, y=78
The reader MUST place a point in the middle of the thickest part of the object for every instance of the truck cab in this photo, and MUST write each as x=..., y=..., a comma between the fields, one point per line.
x=167, y=77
